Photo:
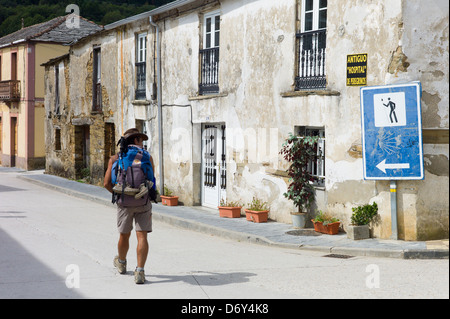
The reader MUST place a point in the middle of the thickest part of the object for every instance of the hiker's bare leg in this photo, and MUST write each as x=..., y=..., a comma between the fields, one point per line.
x=142, y=248
x=123, y=245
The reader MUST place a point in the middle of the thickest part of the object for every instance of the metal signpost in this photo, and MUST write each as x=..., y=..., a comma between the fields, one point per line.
x=392, y=136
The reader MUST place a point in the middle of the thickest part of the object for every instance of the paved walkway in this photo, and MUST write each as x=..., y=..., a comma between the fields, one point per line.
x=272, y=233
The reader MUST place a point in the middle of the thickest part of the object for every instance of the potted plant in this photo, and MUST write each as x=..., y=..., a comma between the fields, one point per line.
x=168, y=198
x=299, y=151
x=257, y=211
x=360, y=220
x=326, y=224
x=229, y=209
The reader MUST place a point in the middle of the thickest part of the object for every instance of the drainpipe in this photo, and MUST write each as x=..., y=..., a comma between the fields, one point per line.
x=159, y=100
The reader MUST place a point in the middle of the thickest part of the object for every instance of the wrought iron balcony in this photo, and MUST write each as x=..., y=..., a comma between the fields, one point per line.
x=10, y=90
x=311, y=60
x=209, y=75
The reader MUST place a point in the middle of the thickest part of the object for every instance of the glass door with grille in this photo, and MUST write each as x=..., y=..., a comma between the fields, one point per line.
x=213, y=164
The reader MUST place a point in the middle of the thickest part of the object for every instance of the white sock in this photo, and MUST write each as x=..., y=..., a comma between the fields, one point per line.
x=138, y=269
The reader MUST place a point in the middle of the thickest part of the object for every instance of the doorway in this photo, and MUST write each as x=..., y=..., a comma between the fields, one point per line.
x=82, y=151
x=110, y=143
x=213, y=172
x=13, y=144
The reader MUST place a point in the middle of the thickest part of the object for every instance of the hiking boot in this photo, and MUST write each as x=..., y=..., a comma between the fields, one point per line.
x=127, y=191
x=139, y=277
x=142, y=191
x=121, y=267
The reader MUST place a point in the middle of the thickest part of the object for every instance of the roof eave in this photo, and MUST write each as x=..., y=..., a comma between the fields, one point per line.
x=144, y=15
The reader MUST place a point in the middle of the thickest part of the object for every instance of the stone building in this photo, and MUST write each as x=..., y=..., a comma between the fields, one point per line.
x=219, y=85
x=22, y=86
x=90, y=93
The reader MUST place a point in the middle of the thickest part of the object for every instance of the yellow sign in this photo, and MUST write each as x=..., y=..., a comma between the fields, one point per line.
x=357, y=69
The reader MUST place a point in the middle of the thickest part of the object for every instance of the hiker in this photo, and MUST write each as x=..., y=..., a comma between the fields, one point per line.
x=132, y=186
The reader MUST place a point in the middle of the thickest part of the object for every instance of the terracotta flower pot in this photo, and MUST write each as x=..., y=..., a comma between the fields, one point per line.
x=230, y=212
x=169, y=200
x=257, y=216
x=330, y=229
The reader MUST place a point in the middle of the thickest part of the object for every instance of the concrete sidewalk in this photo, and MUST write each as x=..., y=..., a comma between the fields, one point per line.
x=272, y=233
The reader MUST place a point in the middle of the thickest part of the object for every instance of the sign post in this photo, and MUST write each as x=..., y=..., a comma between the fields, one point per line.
x=391, y=122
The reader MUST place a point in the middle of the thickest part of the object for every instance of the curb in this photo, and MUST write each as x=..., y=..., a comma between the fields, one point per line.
x=255, y=239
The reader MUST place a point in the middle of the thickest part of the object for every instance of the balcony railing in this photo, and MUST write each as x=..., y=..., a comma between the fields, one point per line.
x=140, y=81
x=10, y=90
x=209, y=75
x=311, y=61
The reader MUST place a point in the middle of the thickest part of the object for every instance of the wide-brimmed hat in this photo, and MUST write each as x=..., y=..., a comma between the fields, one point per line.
x=134, y=132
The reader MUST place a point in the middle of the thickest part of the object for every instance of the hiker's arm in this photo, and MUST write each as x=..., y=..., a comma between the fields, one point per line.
x=153, y=165
x=107, y=183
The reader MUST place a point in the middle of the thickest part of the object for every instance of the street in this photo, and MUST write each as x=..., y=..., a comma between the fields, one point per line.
x=57, y=246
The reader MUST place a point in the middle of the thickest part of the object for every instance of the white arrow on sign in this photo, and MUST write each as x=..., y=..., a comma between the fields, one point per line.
x=383, y=166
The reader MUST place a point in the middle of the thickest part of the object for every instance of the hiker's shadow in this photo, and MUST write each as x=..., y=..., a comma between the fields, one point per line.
x=204, y=278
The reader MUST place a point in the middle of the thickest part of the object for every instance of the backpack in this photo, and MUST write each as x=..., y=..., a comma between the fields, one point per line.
x=133, y=178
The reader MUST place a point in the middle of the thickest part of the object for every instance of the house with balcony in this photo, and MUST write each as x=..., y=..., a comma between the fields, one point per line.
x=22, y=86
x=238, y=76
x=219, y=85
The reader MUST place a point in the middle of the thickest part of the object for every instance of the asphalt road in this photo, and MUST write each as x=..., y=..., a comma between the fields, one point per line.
x=53, y=245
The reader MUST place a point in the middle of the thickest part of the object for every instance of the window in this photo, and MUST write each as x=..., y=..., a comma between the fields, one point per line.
x=314, y=15
x=209, y=55
x=141, y=125
x=57, y=139
x=57, y=89
x=141, y=56
x=317, y=166
x=311, y=44
x=96, y=78
x=211, y=28
x=14, y=66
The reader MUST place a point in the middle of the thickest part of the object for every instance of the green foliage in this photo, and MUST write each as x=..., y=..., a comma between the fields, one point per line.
x=258, y=205
x=37, y=11
x=299, y=151
x=224, y=203
x=167, y=191
x=325, y=218
x=363, y=215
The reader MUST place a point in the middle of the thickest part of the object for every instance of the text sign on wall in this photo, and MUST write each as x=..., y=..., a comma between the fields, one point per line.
x=392, y=132
x=357, y=69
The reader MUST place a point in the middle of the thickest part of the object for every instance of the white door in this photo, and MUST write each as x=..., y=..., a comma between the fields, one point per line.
x=213, y=165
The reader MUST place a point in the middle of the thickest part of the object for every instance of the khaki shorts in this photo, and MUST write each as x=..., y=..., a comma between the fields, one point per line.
x=142, y=218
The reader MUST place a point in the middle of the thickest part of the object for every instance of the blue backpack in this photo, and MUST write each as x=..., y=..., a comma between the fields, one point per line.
x=132, y=169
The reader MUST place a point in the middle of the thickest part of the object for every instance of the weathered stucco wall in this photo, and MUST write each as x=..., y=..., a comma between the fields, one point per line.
x=425, y=42
x=257, y=58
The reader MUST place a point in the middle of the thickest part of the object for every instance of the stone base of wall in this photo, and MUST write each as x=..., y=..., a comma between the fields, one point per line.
x=23, y=163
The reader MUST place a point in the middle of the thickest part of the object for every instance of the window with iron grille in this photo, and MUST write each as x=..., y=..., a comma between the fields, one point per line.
x=316, y=166
x=96, y=79
x=311, y=45
x=209, y=55
x=141, y=57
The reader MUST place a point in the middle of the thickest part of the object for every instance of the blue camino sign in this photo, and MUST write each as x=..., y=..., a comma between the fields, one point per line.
x=391, y=122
